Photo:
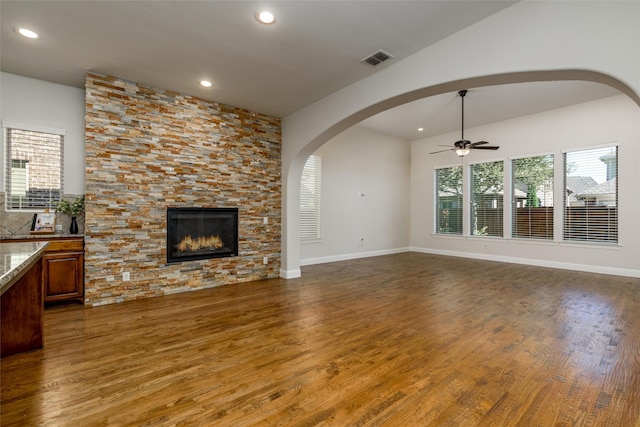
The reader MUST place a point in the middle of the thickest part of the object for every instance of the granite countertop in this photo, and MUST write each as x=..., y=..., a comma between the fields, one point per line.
x=17, y=258
x=40, y=236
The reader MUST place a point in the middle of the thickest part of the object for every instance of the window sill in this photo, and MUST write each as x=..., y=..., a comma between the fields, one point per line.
x=520, y=240
x=543, y=242
x=311, y=241
x=592, y=245
x=448, y=236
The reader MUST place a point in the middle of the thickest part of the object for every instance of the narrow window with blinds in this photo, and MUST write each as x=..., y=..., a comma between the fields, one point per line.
x=448, y=202
x=33, y=169
x=532, y=197
x=591, y=195
x=487, y=190
x=310, y=199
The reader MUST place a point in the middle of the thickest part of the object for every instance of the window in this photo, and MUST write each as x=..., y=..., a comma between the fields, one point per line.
x=449, y=200
x=532, y=197
x=591, y=195
x=310, y=199
x=33, y=169
x=487, y=182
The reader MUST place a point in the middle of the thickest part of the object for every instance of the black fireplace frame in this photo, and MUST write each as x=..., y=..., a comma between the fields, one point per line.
x=231, y=215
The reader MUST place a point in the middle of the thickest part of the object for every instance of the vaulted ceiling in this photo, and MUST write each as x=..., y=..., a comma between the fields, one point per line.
x=313, y=49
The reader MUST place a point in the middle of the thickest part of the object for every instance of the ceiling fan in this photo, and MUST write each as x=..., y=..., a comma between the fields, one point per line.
x=464, y=146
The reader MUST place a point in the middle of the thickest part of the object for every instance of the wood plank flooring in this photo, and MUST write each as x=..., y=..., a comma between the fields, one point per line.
x=399, y=340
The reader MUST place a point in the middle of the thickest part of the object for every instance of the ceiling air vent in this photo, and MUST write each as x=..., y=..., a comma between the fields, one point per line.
x=377, y=57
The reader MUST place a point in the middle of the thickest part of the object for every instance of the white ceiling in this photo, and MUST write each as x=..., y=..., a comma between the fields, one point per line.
x=312, y=50
x=443, y=113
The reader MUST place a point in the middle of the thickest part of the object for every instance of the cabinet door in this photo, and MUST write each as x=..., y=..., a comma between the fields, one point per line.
x=63, y=276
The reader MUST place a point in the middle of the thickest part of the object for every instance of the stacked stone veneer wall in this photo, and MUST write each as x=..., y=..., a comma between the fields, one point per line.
x=148, y=149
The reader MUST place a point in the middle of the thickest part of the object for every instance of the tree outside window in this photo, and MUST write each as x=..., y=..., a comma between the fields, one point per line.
x=532, y=197
x=449, y=200
x=487, y=194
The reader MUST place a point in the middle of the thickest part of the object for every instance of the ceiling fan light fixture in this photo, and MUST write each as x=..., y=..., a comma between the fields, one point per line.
x=462, y=147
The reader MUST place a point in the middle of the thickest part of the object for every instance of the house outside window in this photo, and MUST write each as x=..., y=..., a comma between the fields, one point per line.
x=487, y=199
x=532, y=197
x=591, y=195
x=448, y=200
x=310, y=199
x=34, y=169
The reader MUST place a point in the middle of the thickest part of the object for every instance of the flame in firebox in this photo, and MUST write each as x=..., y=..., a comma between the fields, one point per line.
x=189, y=244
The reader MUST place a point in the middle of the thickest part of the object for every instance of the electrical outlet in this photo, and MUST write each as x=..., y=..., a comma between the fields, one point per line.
x=126, y=276
x=265, y=220
x=265, y=260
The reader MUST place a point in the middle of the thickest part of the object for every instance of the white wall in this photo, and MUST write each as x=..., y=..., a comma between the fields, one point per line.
x=365, y=197
x=611, y=120
x=529, y=41
x=47, y=105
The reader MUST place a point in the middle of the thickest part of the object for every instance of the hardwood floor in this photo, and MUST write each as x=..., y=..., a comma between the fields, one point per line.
x=399, y=340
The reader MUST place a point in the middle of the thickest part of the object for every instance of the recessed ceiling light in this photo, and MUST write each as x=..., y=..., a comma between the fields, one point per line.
x=420, y=129
x=205, y=83
x=266, y=17
x=25, y=32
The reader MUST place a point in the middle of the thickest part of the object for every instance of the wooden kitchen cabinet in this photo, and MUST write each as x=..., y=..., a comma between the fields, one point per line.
x=63, y=270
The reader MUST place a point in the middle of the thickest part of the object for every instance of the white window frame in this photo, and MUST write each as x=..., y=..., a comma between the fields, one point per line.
x=310, y=198
x=513, y=203
x=589, y=239
x=436, y=213
x=470, y=196
x=31, y=169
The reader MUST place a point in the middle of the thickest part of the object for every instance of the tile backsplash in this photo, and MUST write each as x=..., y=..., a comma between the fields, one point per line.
x=16, y=225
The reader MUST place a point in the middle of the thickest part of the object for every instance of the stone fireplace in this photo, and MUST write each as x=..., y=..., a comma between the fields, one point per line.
x=148, y=149
x=201, y=233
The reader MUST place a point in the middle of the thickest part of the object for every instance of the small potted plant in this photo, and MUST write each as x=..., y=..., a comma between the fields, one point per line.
x=73, y=209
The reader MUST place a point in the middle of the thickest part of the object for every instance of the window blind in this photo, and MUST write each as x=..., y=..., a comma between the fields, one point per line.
x=448, y=202
x=310, y=199
x=532, y=197
x=591, y=195
x=487, y=182
x=34, y=169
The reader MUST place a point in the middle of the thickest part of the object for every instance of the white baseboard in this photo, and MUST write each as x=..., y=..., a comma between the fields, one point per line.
x=535, y=262
x=290, y=274
x=346, y=257
x=513, y=260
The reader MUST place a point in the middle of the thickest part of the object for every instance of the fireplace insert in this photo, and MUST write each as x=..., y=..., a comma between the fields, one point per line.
x=201, y=233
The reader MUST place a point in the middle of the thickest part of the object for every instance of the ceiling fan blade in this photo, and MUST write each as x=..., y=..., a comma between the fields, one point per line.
x=479, y=143
x=441, y=151
x=485, y=147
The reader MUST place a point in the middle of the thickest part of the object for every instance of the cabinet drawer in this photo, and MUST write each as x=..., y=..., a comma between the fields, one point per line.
x=65, y=245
